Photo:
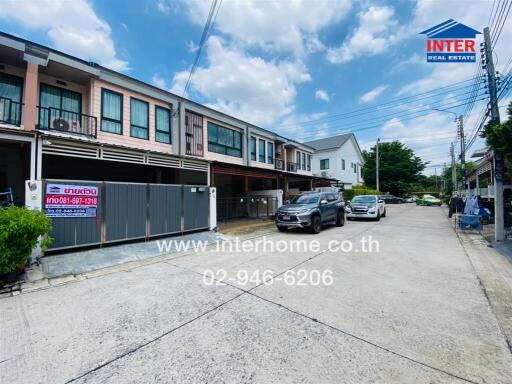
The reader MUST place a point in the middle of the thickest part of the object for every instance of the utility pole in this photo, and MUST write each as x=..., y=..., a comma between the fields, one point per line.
x=435, y=174
x=377, y=161
x=454, y=170
x=462, y=152
x=444, y=178
x=499, y=230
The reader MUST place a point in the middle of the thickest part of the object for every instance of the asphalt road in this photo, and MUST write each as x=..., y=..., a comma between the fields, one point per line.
x=413, y=312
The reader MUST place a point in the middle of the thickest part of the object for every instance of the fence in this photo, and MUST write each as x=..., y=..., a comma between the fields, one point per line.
x=248, y=206
x=122, y=211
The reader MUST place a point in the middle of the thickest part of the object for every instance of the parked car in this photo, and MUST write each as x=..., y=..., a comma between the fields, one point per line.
x=429, y=200
x=312, y=210
x=391, y=199
x=410, y=199
x=366, y=206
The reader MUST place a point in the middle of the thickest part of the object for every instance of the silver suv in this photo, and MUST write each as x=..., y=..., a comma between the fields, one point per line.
x=312, y=210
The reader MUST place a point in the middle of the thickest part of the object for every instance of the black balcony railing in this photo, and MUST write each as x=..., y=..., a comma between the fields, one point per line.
x=279, y=164
x=10, y=111
x=54, y=119
x=291, y=167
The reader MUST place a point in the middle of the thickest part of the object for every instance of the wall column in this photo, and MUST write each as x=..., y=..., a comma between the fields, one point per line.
x=30, y=97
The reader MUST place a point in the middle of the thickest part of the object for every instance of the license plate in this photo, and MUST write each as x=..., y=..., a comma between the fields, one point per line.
x=286, y=217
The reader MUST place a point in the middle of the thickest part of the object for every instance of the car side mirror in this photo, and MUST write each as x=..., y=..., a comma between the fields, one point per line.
x=287, y=201
x=381, y=201
x=348, y=201
x=322, y=202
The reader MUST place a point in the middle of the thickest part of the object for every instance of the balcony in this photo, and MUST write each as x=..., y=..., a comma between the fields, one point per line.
x=279, y=164
x=54, y=119
x=291, y=167
x=10, y=111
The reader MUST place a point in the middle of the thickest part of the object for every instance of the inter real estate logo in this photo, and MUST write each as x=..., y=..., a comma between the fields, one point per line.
x=451, y=42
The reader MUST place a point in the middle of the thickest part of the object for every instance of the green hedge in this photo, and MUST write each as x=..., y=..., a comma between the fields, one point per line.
x=20, y=230
x=349, y=194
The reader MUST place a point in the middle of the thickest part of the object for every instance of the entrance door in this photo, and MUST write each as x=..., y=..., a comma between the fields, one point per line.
x=60, y=108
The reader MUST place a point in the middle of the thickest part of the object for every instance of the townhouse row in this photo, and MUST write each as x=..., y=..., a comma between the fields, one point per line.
x=66, y=120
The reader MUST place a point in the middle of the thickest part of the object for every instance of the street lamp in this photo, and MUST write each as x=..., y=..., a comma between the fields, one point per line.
x=462, y=143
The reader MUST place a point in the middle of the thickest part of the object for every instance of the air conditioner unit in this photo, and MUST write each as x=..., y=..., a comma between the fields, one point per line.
x=324, y=174
x=65, y=125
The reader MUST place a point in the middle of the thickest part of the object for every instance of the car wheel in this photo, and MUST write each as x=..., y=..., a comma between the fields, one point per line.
x=316, y=224
x=378, y=216
x=384, y=213
x=281, y=229
x=340, y=219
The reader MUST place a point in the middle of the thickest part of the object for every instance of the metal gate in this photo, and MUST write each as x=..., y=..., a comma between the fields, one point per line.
x=126, y=211
x=242, y=207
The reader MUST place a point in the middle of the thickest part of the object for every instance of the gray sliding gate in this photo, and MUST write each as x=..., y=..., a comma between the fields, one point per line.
x=126, y=211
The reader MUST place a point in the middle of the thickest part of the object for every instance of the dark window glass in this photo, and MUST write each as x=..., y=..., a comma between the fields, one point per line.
x=270, y=153
x=111, y=111
x=324, y=164
x=162, y=125
x=261, y=154
x=253, y=148
x=309, y=162
x=224, y=140
x=139, y=119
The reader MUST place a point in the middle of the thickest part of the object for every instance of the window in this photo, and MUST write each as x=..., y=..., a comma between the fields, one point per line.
x=297, y=156
x=343, y=164
x=253, y=148
x=303, y=160
x=355, y=167
x=139, y=119
x=54, y=100
x=162, y=125
x=309, y=162
x=270, y=153
x=111, y=112
x=224, y=140
x=331, y=197
x=261, y=154
x=10, y=98
x=324, y=164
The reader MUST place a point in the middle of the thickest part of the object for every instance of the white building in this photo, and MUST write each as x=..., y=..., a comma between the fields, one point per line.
x=338, y=157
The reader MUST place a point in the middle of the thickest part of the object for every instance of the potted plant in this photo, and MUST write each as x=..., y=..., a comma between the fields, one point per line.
x=21, y=230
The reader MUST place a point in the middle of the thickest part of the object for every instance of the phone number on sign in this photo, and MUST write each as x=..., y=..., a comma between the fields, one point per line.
x=243, y=277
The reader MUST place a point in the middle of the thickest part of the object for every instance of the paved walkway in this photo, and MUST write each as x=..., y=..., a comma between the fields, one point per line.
x=415, y=312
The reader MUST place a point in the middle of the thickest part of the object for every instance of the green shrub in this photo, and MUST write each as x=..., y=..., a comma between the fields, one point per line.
x=20, y=229
x=349, y=194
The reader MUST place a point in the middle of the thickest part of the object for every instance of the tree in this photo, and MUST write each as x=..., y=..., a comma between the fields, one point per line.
x=499, y=136
x=470, y=165
x=399, y=167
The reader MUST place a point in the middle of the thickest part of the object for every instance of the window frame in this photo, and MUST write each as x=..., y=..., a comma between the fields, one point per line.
x=213, y=144
x=326, y=161
x=308, y=158
x=262, y=156
x=343, y=166
x=303, y=160
x=138, y=126
x=270, y=154
x=121, y=115
x=157, y=107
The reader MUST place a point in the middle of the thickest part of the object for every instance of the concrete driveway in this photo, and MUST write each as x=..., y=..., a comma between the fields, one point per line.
x=413, y=312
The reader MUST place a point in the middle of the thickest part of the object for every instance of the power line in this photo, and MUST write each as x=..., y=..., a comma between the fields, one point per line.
x=382, y=106
x=380, y=125
x=379, y=121
x=502, y=24
x=210, y=20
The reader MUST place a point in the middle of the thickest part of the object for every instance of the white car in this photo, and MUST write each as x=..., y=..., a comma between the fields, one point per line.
x=366, y=206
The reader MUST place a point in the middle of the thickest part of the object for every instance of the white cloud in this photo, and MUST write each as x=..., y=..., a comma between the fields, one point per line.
x=248, y=87
x=73, y=26
x=321, y=94
x=159, y=81
x=290, y=26
x=370, y=96
x=373, y=35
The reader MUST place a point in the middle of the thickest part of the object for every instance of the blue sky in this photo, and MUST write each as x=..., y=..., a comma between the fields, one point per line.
x=290, y=66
